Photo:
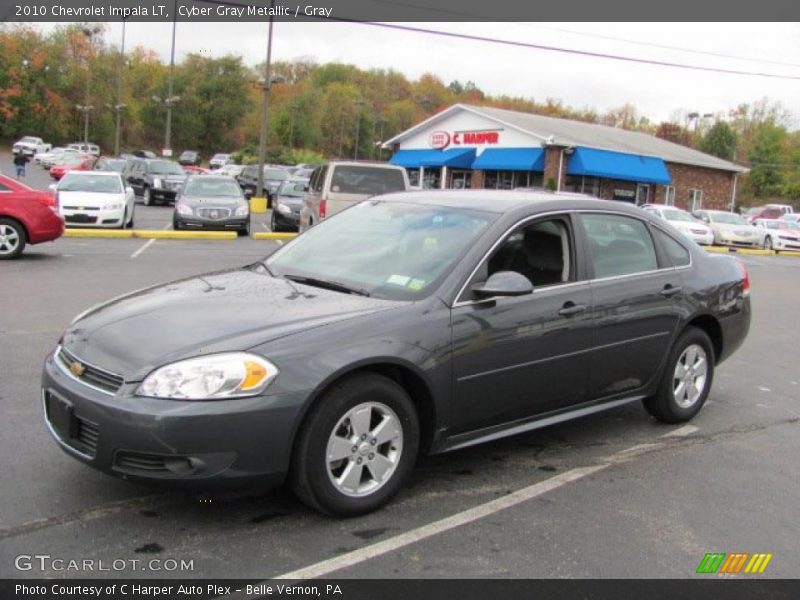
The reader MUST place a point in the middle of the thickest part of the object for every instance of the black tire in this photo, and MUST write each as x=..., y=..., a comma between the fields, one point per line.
x=124, y=223
x=309, y=475
x=768, y=243
x=129, y=225
x=175, y=224
x=14, y=247
x=244, y=231
x=147, y=196
x=273, y=225
x=663, y=405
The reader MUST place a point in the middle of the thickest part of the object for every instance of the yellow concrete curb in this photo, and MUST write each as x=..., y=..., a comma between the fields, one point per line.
x=98, y=233
x=747, y=251
x=161, y=234
x=271, y=235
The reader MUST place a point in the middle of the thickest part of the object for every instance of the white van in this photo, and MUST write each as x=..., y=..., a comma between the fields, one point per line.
x=339, y=184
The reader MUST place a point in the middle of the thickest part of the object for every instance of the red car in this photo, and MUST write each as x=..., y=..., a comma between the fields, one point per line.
x=78, y=163
x=27, y=216
x=195, y=170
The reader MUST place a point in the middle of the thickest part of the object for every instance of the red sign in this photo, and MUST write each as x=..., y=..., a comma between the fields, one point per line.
x=439, y=139
x=442, y=139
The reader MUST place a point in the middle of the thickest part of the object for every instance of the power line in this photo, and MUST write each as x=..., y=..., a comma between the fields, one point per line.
x=478, y=38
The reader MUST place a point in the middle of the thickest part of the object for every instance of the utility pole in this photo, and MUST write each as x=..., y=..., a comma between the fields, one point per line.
x=265, y=89
x=118, y=108
x=170, y=98
x=360, y=104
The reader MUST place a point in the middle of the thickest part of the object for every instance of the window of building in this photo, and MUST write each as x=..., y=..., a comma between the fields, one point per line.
x=508, y=180
x=669, y=195
x=432, y=179
x=582, y=185
x=619, y=245
x=460, y=180
x=677, y=253
x=695, y=200
x=413, y=177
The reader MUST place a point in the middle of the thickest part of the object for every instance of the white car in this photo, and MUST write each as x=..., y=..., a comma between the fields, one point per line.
x=30, y=145
x=791, y=217
x=54, y=156
x=91, y=149
x=684, y=222
x=220, y=160
x=729, y=228
x=95, y=199
x=778, y=234
x=230, y=170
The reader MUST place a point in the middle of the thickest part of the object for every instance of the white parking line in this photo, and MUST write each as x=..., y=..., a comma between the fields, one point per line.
x=148, y=243
x=264, y=225
x=280, y=242
x=682, y=431
x=415, y=535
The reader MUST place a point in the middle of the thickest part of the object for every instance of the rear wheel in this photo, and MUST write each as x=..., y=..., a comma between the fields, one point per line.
x=687, y=379
x=175, y=224
x=274, y=223
x=12, y=239
x=357, y=447
x=768, y=243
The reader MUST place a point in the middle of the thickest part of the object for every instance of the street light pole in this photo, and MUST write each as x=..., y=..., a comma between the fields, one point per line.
x=89, y=32
x=119, y=107
x=360, y=105
x=262, y=139
x=170, y=97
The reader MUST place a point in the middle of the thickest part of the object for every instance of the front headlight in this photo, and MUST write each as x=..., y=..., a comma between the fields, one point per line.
x=183, y=209
x=157, y=182
x=283, y=208
x=212, y=377
x=114, y=206
x=243, y=210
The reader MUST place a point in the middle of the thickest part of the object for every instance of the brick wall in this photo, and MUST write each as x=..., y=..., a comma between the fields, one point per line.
x=552, y=158
x=716, y=186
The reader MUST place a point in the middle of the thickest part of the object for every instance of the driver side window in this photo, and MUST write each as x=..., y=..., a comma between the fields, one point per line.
x=542, y=251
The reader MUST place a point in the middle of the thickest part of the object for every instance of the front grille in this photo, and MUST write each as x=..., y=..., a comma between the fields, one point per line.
x=214, y=213
x=94, y=376
x=87, y=433
x=137, y=461
x=80, y=219
x=87, y=208
x=698, y=231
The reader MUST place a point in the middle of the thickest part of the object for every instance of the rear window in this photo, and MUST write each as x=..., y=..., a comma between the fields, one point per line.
x=366, y=180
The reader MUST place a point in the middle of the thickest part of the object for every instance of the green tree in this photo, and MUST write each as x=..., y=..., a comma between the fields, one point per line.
x=720, y=141
x=766, y=177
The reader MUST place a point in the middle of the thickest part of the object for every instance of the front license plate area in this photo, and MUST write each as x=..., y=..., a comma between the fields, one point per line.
x=61, y=417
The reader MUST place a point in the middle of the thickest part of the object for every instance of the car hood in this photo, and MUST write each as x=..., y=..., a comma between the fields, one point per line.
x=688, y=226
x=292, y=201
x=91, y=199
x=228, y=201
x=224, y=311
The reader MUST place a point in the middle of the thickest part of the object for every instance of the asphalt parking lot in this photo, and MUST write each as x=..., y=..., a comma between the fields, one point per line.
x=612, y=496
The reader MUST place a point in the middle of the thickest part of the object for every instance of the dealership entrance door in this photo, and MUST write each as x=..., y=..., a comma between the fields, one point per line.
x=642, y=193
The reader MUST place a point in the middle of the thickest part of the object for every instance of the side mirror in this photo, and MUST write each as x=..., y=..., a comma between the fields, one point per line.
x=504, y=283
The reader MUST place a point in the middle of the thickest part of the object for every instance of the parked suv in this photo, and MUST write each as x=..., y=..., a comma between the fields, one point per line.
x=339, y=184
x=273, y=178
x=92, y=149
x=154, y=179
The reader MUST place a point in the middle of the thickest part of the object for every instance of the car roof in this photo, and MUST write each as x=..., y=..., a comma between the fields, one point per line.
x=507, y=201
x=363, y=163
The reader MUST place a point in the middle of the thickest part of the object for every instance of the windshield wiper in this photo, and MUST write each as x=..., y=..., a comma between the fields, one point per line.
x=328, y=285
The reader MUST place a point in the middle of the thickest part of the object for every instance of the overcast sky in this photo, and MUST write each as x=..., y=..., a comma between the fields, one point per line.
x=577, y=80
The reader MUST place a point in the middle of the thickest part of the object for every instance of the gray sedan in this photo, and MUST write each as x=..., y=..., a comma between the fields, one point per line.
x=211, y=202
x=408, y=323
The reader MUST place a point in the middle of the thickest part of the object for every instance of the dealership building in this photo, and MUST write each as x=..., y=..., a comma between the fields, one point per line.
x=476, y=147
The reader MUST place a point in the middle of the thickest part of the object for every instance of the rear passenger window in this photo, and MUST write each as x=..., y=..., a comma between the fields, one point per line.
x=619, y=245
x=678, y=255
x=320, y=181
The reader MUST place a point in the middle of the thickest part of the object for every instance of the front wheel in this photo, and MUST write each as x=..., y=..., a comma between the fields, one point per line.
x=768, y=243
x=687, y=379
x=357, y=447
x=12, y=239
x=147, y=197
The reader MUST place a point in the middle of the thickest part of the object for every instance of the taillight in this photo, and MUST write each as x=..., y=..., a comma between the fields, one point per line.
x=745, y=278
x=323, y=207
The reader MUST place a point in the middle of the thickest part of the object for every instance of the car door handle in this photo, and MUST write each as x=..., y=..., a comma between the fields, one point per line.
x=670, y=290
x=570, y=308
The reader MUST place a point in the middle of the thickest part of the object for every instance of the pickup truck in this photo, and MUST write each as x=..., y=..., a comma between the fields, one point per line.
x=30, y=145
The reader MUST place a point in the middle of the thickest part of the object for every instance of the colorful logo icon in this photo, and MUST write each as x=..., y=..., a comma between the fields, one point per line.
x=439, y=139
x=734, y=563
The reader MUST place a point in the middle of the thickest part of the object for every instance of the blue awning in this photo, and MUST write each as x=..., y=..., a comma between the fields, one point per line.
x=618, y=165
x=510, y=159
x=460, y=158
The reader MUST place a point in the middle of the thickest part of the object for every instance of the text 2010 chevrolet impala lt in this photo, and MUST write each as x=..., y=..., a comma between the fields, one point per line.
x=414, y=322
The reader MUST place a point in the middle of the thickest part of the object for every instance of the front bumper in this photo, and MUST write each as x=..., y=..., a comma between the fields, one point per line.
x=291, y=220
x=94, y=218
x=730, y=239
x=781, y=244
x=201, y=223
x=163, y=194
x=189, y=444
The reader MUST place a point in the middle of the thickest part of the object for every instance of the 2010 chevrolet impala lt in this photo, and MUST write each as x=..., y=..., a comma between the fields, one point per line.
x=408, y=323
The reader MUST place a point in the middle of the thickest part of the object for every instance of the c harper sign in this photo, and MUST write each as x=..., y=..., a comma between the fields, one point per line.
x=442, y=139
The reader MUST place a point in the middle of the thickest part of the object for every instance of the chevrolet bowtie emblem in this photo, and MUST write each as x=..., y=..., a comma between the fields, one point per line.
x=76, y=368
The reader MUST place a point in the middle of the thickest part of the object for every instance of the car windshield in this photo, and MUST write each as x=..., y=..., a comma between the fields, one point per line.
x=727, y=218
x=115, y=165
x=206, y=186
x=79, y=182
x=677, y=215
x=220, y=157
x=293, y=189
x=74, y=161
x=29, y=140
x=367, y=180
x=389, y=250
x=164, y=167
x=276, y=174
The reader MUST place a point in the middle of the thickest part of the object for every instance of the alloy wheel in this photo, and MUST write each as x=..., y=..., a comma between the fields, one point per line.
x=689, y=378
x=9, y=239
